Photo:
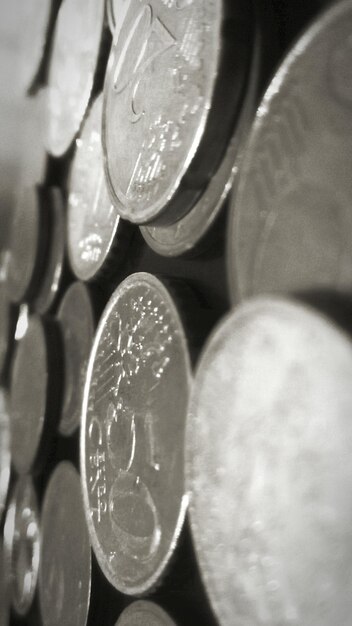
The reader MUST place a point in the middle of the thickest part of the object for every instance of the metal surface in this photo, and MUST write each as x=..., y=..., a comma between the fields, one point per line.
x=5, y=453
x=144, y=613
x=93, y=222
x=74, y=57
x=292, y=218
x=269, y=467
x=162, y=105
x=132, y=433
x=65, y=566
x=33, y=22
x=22, y=545
x=77, y=322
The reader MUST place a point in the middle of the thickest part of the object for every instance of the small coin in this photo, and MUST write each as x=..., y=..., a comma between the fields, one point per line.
x=143, y=613
x=33, y=22
x=74, y=58
x=93, y=223
x=133, y=416
x=76, y=316
x=65, y=566
x=291, y=217
x=22, y=545
x=170, y=81
x=5, y=453
x=269, y=467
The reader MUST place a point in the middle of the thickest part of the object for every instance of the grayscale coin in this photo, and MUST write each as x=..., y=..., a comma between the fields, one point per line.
x=132, y=434
x=65, y=565
x=93, y=223
x=74, y=58
x=171, y=90
x=76, y=316
x=5, y=450
x=269, y=467
x=22, y=545
x=291, y=217
x=143, y=613
x=33, y=22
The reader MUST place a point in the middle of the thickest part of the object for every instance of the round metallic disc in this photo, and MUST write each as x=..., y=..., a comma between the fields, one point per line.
x=33, y=21
x=269, y=467
x=134, y=410
x=28, y=397
x=5, y=450
x=162, y=105
x=93, y=223
x=143, y=613
x=74, y=58
x=291, y=217
x=76, y=316
x=22, y=545
x=65, y=566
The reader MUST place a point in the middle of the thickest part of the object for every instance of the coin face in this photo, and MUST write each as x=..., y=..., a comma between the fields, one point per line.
x=33, y=22
x=291, y=217
x=65, y=566
x=22, y=545
x=74, y=57
x=93, y=222
x=5, y=454
x=144, y=613
x=157, y=96
x=132, y=433
x=269, y=467
x=77, y=321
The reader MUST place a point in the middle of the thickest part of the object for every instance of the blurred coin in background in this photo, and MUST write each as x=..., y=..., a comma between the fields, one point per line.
x=143, y=613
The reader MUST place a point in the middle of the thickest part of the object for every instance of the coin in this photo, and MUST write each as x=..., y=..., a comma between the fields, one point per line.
x=291, y=217
x=5, y=455
x=22, y=545
x=65, y=566
x=171, y=93
x=76, y=316
x=74, y=57
x=93, y=223
x=142, y=613
x=33, y=22
x=269, y=467
x=133, y=415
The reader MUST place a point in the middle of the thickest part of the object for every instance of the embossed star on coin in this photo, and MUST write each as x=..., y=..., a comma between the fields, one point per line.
x=291, y=217
x=144, y=613
x=132, y=433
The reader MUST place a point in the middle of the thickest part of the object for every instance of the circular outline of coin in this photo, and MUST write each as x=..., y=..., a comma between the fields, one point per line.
x=5, y=450
x=138, y=612
x=65, y=565
x=268, y=465
x=90, y=235
x=157, y=172
x=142, y=320
x=290, y=216
x=67, y=95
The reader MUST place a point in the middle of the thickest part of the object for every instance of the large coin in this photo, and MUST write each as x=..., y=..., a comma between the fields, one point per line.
x=93, y=222
x=22, y=545
x=269, y=467
x=132, y=434
x=144, y=613
x=74, y=58
x=170, y=102
x=65, y=566
x=291, y=218
x=5, y=454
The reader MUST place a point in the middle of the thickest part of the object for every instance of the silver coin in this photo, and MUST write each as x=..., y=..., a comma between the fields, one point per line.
x=33, y=23
x=22, y=545
x=291, y=217
x=144, y=613
x=165, y=68
x=269, y=467
x=92, y=220
x=74, y=57
x=5, y=450
x=134, y=410
x=65, y=566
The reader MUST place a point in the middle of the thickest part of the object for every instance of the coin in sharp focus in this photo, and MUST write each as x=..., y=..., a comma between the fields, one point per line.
x=169, y=96
x=76, y=315
x=33, y=18
x=5, y=453
x=74, y=59
x=34, y=395
x=144, y=613
x=269, y=467
x=22, y=545
x=291, y=218
x=65, y=566
x=94, y=227
x=133, y=418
